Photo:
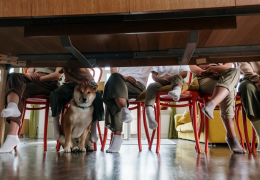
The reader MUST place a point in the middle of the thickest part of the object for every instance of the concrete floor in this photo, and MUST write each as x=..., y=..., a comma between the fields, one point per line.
x=178, y=161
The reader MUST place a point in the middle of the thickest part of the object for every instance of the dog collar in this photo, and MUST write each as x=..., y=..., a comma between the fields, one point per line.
x=82, y=107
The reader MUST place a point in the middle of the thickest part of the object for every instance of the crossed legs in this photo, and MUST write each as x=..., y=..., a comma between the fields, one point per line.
x=11, y=111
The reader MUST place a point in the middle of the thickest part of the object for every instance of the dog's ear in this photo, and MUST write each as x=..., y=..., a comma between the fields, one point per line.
x=95, y=88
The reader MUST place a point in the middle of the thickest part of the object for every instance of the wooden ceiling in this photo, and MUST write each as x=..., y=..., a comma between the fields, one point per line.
x=14, y=43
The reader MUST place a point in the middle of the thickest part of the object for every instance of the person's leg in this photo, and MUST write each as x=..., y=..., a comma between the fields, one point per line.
x=177, y=83
x=58, y=100
x=116, y=128
x=250, y=99
x=226, y=83
x=15, y=87
x=150, y=98
x=12, y=139
x=98, y=115
x=122, y=105
x=227, y=111
x=133, y=91
x=114, y=88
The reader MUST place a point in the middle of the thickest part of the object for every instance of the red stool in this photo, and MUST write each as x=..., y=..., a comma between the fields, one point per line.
x=204, y=99
x=138, y=106
x=250, y=148
x=39, y=100
x=191, y=97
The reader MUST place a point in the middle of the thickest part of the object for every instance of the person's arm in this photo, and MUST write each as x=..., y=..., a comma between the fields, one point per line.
x=162, y=81
x=30, y=70
x=52, y=76
x=114, y=70
x=219, y=69
x=196, y=70
x=75, y=79
x=184, y=74
x=127, y=78
x=248, y=71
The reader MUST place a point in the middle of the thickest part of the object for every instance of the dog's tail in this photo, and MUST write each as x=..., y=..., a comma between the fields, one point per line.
x=62, y=139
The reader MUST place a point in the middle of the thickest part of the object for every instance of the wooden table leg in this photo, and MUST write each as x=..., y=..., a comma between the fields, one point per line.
x=2, y=101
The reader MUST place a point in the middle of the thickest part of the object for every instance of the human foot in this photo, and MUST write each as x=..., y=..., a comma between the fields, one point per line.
x=10, y=142
x=115, y=145
x=234, y=145
x=151, y=118
x=175, y=93
x=56, y=127
x=126, y=115
x=93, y=130
x=11, y=110
x=208, y=109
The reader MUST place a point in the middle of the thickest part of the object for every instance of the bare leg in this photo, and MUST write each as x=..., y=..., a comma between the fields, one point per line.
x=116, y=143
x=120, y=102
x=231, y=138
x=12, y=108
x=12, y=139
x=219, y=94
x=125, y=112
x=229, y=126
x=13, y=97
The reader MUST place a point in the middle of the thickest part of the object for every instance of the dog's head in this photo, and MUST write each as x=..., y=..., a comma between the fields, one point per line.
x=84, y=95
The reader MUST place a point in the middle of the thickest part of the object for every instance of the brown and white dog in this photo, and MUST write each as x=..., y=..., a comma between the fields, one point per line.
x=76, y=121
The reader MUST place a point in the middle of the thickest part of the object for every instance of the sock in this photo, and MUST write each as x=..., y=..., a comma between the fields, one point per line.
x=93, y=136
x=208, y=109
x=11, y=110
x=126, y=115
x=151, y=118
x=175, y=93
x=256, y=126
x=10, y=142
x=56, y=127
x=116, y=144
x=234, y=145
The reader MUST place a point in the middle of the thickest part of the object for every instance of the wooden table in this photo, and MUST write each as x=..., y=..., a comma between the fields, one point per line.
x=137, y=33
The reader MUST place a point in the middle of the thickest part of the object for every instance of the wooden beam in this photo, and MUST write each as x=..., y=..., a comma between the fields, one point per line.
x=143, y=62
x=2, y=102
x=133, y=27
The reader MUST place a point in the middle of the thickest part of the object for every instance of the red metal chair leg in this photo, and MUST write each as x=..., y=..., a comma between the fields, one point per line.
x=158, y=118
x=194, y=108
x=99, y=132
x=151, y=141
x=245, y=130
x=202, y=119
x=46, y=124
x=95, y=146
x=238, y=127
x=253, y=140
x=145, y=126
x=139, y=126
x=103, y=143
x=58, y=145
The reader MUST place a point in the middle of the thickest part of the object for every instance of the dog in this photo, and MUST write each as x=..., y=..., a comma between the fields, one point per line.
x=76, y=121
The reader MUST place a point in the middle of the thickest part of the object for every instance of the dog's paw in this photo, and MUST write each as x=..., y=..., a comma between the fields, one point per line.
x=75, y=149
x=91, y=148
x=82, y=149
x=67, y=150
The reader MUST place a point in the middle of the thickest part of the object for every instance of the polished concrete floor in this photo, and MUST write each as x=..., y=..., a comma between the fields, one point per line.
x=178, y=161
